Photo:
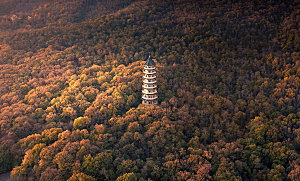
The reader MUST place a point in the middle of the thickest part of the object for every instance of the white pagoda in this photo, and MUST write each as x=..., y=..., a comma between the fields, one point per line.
x=149, y=83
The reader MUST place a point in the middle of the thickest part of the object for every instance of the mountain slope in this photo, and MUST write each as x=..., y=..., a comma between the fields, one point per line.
x=228, y=78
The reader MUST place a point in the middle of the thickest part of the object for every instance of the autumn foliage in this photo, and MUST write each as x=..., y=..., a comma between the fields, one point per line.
x=228, y=87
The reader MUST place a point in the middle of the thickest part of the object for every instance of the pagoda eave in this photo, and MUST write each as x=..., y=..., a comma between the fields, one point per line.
x=147, y=98
x=149, y=68
x=149, y=77
x=147, y=72
x=146, y=92
x=147, y=82
x=146, y=87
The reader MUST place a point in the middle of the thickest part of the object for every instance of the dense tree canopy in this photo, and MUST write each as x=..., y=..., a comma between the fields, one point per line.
x=228, y=86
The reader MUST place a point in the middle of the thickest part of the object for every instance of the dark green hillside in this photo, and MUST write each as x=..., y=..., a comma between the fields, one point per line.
x=228, y=86
x=30, y=14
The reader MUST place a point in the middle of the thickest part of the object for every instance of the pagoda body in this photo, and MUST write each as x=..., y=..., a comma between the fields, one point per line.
x=149, y=83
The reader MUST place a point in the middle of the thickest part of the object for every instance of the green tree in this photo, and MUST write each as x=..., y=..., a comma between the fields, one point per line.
x=81, y=123
x=127, y=177
x=5, y=161
x=81, y=177
x=98, y=166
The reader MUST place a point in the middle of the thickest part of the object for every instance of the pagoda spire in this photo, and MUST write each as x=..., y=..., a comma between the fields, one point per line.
x=149, y=91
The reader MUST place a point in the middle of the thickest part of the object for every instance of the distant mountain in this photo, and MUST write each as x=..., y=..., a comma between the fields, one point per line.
x=37, y=14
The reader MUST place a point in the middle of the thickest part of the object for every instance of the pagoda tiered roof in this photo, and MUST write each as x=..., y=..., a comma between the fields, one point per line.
x=149, y=62
x=149, y=83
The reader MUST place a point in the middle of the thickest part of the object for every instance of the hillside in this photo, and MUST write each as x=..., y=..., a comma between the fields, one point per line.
x=228, y=86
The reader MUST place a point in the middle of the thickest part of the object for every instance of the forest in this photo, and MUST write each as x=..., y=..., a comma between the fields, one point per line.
x=228, y=75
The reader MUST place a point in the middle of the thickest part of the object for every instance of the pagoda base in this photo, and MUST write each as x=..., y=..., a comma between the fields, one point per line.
x=152, y=102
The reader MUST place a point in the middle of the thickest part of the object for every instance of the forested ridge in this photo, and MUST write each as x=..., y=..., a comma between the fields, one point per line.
x=228, y=87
